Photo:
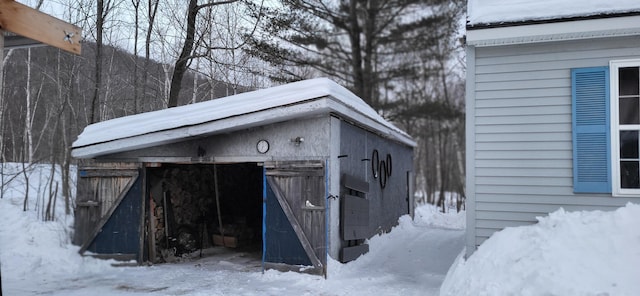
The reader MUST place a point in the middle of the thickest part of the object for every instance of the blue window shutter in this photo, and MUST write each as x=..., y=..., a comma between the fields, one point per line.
x=591, y=140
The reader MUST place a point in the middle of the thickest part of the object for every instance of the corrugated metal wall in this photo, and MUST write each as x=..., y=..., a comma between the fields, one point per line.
x=520, y=131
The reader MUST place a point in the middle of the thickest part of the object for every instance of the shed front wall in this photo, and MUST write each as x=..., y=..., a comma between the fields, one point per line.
x=519, y=135
x=240, y=146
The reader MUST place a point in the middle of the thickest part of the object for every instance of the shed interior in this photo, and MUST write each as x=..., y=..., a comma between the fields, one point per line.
x=194, y=209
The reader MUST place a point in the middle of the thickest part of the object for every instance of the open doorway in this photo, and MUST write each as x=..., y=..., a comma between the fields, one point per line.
x=197, y=210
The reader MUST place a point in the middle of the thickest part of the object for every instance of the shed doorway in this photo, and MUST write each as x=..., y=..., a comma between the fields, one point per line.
x=197, y=210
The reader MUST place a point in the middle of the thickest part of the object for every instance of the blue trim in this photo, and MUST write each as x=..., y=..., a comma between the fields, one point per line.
x=326, y=215
x=264, y=215
x=591, y=130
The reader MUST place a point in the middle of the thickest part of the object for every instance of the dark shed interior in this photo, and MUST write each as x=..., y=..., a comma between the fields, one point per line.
x=194, y=207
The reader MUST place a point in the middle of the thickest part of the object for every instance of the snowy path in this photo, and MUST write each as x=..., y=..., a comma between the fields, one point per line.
x=411, y=260
x=37, y=258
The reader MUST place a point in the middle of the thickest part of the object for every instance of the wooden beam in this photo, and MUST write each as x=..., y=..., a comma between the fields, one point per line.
x=26, y=21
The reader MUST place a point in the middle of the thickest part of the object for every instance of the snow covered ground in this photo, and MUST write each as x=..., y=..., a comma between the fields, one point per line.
x=37, y=258
x=578, y=253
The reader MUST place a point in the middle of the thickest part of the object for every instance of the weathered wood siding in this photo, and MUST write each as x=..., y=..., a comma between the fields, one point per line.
x=519, y=131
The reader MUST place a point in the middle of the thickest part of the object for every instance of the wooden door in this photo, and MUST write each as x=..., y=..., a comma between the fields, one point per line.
x=108, y=210
x=299, y=190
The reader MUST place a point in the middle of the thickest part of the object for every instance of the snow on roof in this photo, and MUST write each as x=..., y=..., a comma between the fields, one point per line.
x=506, y=11
x=275, y=104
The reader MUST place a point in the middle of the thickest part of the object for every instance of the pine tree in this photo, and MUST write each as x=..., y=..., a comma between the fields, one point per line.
x=366, y=45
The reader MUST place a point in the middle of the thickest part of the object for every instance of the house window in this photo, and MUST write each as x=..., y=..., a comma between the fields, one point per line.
x=625, y=126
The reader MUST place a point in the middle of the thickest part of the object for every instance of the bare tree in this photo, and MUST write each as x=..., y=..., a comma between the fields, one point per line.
x=187, y=53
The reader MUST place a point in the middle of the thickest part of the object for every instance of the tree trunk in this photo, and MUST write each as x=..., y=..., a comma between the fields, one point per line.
x=181, y=65
x=98, y=74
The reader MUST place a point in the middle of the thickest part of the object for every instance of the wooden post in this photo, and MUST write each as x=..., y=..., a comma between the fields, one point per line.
x=28, y=22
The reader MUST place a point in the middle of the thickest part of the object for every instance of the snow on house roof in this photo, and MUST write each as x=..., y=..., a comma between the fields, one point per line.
x=266, y=106
x=485, y=12
x=505, y=22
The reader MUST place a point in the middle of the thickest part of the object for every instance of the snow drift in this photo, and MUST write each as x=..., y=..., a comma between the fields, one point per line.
x=566, y=253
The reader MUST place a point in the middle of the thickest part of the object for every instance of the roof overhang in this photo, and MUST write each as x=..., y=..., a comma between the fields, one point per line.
x=319, y=106
x=554, y=31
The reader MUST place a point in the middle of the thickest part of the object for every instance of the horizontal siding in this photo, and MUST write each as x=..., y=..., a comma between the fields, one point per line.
x=523, y=172
x=522, y=137
x=532, y=110
x=523, y=149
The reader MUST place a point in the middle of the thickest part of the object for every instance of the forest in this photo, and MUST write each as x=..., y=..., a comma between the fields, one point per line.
x=405, y=58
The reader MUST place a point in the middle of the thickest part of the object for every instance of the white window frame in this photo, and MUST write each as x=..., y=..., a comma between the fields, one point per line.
x=615, y=127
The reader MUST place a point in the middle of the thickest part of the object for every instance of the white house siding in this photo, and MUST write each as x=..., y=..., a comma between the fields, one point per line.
x=520, y=131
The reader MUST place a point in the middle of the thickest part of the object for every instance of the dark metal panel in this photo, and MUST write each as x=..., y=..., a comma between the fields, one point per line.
x=354, y=216
x=386, y=203
x=352, y=253
x=355, y=183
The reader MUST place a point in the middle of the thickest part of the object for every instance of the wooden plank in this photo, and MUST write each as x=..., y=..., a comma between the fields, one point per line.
x=26, y=21
x=296, y=173
x=106, y=217
x=352, y=253
x=90, y=173
x=306, y=245
x=354, y=183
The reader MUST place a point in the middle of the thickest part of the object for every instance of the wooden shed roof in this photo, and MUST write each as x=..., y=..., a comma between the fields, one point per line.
x=242, y=111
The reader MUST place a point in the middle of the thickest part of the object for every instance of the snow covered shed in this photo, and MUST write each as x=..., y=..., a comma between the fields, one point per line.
x=553, y=110
x=296, y=172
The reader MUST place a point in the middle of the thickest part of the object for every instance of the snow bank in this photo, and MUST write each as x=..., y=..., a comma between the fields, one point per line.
x=429, y=215
x=31, y=248
x=566, y=253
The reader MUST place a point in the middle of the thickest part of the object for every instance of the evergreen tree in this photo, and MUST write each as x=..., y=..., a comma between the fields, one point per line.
x=366, y=45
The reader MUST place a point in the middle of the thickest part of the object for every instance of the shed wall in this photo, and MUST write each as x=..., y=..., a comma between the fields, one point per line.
x=240, y=146
x=519, y=130
x=386, y=204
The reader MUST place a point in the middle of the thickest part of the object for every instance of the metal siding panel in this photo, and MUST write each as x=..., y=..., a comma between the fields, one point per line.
x=604, y=201
x=526, y=101
x=470, y=151
x=525, y=163
x=564, y=109
x=523, y=137
x=513, y=180
x=523, y=172
x=523, y=128
x=495, y=141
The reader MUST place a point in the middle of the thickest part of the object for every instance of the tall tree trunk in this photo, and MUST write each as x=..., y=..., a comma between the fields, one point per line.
x=181, y=65
x=28, y=128
x=100, y=15
x=152, y=9
x=136, y=6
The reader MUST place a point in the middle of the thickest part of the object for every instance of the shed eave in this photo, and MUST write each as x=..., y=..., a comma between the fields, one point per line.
x=179, y=134
x=557, y=31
